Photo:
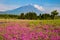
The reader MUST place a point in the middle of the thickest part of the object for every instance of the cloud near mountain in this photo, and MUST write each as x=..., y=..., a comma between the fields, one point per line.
x=39, y=7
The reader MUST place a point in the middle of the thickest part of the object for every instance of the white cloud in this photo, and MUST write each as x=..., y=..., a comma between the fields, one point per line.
x=49, y=9
x=4, y=7
x=39, y=7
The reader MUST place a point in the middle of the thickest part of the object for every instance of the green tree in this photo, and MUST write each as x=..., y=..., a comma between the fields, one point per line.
x=39, y=16
x=31, y=15
x=54, y=13
x=22, y=16
x=45, y=16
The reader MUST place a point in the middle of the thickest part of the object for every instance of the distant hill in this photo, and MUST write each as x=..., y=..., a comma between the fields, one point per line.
x=23, y=9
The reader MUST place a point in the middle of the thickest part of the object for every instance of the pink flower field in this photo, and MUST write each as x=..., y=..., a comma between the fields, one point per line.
x=25, y=31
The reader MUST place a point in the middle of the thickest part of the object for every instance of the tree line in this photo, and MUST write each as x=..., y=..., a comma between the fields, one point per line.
x=32, y=16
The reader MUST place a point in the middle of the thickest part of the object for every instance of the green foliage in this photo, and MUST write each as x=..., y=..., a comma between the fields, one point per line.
x=1, y=38
x=22, y=16
x=39, y=16
x=8, y=16
x=45, y=16
x=54, y=13
x=32, y=16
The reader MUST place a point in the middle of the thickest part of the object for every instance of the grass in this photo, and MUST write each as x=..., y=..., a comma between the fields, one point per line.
x=52, y=22
x=1, y=37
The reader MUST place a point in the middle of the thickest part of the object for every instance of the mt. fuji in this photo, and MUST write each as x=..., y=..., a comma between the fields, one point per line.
x=25, y=9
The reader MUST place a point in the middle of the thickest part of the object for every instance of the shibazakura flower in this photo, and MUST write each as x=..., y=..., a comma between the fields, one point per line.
x=14, y=31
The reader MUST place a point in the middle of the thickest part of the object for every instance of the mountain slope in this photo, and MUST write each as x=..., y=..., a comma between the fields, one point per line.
x=23, y=9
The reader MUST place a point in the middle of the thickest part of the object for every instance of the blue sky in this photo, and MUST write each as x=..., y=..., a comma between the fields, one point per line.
x=48, y=5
